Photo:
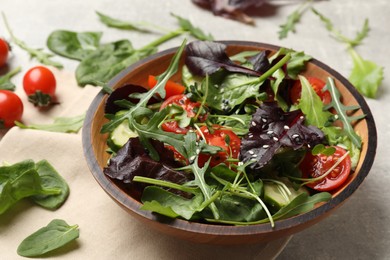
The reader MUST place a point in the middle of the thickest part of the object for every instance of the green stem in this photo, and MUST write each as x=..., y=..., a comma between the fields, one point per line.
x=52, y=191
x=162, y=183
x=12, y=73
x=163, y=39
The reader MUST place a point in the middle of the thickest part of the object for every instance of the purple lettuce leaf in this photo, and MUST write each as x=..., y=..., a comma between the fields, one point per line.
x=271, y=129
x=231, y=9
x=205, y=58
x=133, y=160
x=260, y=61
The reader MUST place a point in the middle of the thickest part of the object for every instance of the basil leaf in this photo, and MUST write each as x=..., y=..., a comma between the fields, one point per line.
x=50, y=179
x=107, y=61
x=5, y=80
x=60, y=124
x=55, y=235
x=366, y=75
x=73, y=45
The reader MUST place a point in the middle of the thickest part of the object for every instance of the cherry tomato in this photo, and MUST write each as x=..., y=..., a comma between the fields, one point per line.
x=317, y=84
x=11, y=108
x=171, y=88
x=3, y=52
x=226, y=139
x=39, y=84
x=314, y=166
x=189, y=106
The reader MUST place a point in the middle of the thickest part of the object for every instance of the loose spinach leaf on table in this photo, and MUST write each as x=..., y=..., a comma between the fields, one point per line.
x=73, y=45
x=39, y=54
x=37, y=181
x=53, y=236
x=5, y=80
x=50, y=179
x=60, y=124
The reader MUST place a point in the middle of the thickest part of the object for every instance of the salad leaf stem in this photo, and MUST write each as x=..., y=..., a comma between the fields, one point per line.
x=163, y=39
x=5, y=81
x=163, y=183
x=40, y=55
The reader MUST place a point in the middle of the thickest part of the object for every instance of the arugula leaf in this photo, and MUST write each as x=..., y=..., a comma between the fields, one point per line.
x=60, y=124
x=360, y=36
x=41, y=56
x=123, y=25
x=296, y=64
x=5, y=80
x=293, y=19
x=73, y=45
x=311, y=105
x=342, y=110
x=196, y=32
x=366, y=75
x=55, y=235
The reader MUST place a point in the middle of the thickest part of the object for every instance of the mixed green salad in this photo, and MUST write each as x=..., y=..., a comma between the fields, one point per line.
x=241, y=140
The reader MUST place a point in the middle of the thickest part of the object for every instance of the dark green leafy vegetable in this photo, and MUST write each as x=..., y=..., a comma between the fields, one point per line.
x=41, y=56
x=50, y=179
x=5, y=80
x=124, y=25
x=60, y=124
x=293, y=19
x=55, y=235
x=73, y=45
x=38, y=181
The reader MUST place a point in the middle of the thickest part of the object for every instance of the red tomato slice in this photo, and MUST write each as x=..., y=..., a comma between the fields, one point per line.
x=317, y=84
x=314, y=166
x=189, y=106
x=171, y=88
x=226, y=139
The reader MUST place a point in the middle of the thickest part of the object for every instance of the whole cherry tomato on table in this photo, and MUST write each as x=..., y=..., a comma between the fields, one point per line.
x=223, y=138
x=39, y=84
x=314, y=166
x=11, y=108
x=317, y=84
x=4, y=50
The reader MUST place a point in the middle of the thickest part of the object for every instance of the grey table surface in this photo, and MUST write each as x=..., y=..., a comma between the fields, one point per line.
x=360, y=228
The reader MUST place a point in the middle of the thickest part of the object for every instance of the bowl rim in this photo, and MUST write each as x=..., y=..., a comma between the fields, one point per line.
x=218, y=229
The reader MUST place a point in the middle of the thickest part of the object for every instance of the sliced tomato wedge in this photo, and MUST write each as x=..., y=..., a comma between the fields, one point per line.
x=171, y=88
x=226, y=139
x=317, y=84
x=189, y=106
x=314, y=166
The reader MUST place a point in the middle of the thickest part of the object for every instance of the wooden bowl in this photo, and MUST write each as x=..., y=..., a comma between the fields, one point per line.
x=95, y=151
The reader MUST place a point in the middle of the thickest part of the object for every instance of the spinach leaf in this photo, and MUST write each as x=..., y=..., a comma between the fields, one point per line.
x=73, y=45
x=26, y=179
x=107, y=61
x=55, y=235
x=50, y=179
x=196, y=32
x=5, y=80
x=166, y=203
x=41, y=56
x=60, y=124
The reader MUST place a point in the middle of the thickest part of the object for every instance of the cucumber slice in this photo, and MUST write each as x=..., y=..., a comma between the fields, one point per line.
x=277, y=197
x=121, y=134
